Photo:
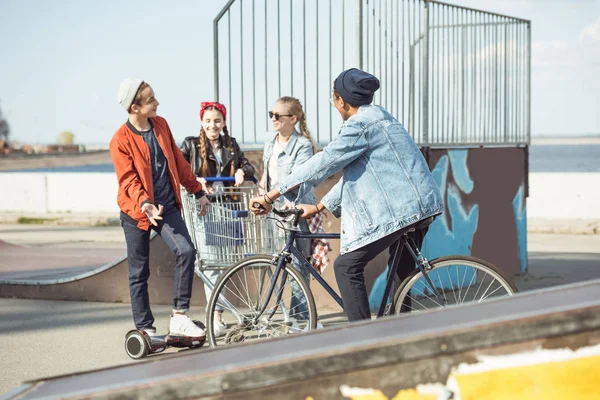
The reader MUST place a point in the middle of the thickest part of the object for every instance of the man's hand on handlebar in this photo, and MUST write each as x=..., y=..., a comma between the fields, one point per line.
x=308, y=210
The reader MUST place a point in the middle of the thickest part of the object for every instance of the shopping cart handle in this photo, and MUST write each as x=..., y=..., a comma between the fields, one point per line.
x=226, y=179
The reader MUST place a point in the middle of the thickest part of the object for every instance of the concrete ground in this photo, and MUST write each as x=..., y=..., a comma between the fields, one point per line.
x=46, y=338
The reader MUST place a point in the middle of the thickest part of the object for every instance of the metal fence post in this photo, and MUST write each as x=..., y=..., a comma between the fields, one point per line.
x=425, y=90
x=359, y=34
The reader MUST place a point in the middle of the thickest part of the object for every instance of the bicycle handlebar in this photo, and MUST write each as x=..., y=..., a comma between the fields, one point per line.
x=296, y=212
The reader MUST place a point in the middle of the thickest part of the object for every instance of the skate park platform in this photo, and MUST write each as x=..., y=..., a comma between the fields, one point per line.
x=543, y=343
x=84, y=274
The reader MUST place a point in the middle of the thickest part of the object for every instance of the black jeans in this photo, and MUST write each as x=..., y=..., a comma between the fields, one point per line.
x=349, y=271
x=175, y=234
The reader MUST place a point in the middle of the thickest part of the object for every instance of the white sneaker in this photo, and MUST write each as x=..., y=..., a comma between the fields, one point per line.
x=220, y=328
x=182, y=325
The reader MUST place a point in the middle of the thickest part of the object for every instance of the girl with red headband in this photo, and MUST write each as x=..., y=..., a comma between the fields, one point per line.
x=212, y=154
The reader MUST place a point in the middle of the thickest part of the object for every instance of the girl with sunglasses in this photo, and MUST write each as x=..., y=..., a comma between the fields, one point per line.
x=213, y=154
x=285, y=150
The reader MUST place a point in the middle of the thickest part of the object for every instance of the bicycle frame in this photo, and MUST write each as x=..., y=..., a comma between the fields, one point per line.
x=289, y=249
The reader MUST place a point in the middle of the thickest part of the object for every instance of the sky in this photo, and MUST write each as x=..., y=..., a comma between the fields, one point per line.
x=63, y=60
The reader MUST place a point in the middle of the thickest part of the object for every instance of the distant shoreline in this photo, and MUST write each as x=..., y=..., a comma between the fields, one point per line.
x=34, y=162
x=582, y=140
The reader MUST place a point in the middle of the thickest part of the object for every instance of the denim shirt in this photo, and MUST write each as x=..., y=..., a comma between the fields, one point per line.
x=386, y=184
x=297, y=151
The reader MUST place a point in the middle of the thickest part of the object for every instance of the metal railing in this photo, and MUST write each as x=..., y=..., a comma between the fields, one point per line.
x=454, y=76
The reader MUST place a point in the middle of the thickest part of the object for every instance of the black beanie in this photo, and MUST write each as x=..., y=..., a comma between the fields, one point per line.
x=356, y=87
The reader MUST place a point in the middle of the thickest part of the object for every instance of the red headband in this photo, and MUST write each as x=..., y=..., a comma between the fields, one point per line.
x=205, y=104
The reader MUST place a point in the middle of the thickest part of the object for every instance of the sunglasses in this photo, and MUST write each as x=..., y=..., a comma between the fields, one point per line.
x=277, y=116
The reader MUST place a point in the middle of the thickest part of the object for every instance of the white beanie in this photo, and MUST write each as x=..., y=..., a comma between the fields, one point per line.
x=127, y=91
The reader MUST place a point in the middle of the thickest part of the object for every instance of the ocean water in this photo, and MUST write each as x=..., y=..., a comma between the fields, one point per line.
x=542, y=158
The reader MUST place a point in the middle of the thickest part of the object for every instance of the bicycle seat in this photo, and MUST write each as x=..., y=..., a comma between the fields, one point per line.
x=424, y=223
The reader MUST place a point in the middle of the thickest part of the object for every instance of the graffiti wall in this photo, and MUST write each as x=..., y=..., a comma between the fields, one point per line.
x=485, y=213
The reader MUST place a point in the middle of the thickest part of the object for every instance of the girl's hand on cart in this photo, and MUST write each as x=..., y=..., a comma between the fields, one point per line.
x=259, y=206
x=239, y=177
x=204, y=205
x=207, y=189
x=152, y=212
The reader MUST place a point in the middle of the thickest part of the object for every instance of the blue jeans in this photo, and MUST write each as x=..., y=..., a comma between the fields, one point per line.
x=174, y=232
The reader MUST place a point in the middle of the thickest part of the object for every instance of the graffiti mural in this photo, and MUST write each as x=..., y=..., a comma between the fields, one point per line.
x=485, y=214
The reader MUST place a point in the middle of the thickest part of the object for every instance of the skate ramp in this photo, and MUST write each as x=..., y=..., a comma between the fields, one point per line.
x=84, y=274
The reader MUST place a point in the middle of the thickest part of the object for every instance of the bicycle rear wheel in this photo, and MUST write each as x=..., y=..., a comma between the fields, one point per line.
x=457, y=280
x=246, y=285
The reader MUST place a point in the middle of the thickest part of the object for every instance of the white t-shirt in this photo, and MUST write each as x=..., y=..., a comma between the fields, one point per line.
x=277, y=150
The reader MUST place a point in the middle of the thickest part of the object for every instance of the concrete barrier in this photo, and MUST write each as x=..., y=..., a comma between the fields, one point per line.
x=31, y=192
x=551, y=195
x=569, y=195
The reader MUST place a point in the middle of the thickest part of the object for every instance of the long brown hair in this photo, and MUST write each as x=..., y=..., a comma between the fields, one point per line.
x=203, y=145
x=295, y=108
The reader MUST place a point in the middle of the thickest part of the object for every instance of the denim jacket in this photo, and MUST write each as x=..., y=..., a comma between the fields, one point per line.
x=297, y=151
x=386, y=184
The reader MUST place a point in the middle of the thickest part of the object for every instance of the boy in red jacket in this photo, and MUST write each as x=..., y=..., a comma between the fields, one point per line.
x=150, y=168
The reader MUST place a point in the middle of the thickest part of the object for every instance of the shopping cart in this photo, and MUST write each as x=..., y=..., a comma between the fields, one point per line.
x=229, y=232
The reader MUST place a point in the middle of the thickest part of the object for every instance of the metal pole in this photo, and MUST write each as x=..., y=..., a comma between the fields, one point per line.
x=528, y=124
x=330, y=67
x=359, y=35
x=254, y=69
x=426, y=75
x=317, y=70
x=216, y=58
x=304, y=51
x=241, y=69
x=291, y=51
x=379, y=94
x=343, y=34
x=403, y=57
x=278, y=50
x=266, y=70
x=505, y=83
x=229, y=60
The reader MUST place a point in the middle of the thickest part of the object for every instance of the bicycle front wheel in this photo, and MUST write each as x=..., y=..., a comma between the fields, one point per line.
x=452, y=280
x=257, y=305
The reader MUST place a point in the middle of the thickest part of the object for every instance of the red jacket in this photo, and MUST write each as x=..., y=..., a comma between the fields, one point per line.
x=131, y=157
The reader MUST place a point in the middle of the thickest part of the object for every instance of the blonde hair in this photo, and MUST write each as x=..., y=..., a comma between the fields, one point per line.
x=295, y=108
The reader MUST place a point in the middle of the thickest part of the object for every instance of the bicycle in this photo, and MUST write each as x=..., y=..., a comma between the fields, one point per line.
x=258, y=299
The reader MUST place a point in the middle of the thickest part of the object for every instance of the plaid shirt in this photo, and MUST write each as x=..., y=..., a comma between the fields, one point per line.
x=320, y=247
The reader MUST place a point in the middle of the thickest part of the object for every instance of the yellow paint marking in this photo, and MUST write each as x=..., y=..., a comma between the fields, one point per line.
x=374, y=394
x=569, y=379
x=412, y=394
